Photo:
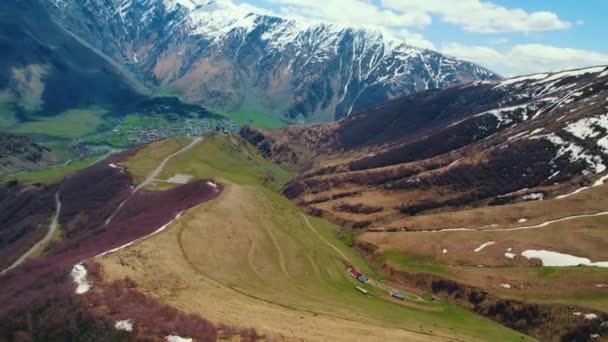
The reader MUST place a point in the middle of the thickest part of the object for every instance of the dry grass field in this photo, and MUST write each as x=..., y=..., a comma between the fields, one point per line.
x=452, y=253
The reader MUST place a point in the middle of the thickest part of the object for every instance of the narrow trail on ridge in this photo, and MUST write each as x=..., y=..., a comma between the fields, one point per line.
x=152, y=175
x=46, y=239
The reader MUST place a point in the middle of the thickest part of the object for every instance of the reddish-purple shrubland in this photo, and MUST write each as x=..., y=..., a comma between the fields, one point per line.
x=88, y=197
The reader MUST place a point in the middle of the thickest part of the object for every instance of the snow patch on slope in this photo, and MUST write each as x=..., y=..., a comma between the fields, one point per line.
x=575, y=152
x=175, y=338
x=588, y=127
x=550, y=258
x=79, y=275
x=571, y=73
x=216, y=19
x=521, y=79
x=126, y=325
x=484, y=245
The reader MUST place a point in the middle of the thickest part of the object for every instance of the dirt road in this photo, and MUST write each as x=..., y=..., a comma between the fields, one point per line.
x=541, y=225
x=46, y=239
x=323, y=239
x=369, y=281
x=152, y=175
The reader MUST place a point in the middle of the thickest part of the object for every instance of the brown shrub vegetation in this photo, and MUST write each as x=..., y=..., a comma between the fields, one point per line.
x=358, y=208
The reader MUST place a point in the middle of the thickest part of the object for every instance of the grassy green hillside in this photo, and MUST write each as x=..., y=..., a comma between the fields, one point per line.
x=256, y=117
x=70, y=124
x=50, y=174
x=262, y=258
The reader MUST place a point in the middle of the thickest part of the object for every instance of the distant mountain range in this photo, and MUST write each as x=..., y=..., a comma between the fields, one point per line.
x=219, y=54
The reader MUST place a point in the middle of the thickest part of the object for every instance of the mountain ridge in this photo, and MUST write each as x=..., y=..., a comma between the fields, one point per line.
x=477, y=143
x=230, y=57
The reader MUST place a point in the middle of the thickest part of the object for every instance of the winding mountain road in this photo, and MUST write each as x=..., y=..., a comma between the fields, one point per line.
x=537, y=226
x=152, y=175
x=324, y=240
x=369, y=281
x=46, y=239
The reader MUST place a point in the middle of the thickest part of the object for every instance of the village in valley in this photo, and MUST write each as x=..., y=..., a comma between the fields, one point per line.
x=188, y=127
x=126, y=134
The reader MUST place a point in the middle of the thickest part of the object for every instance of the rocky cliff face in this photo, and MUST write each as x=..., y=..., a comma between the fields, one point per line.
x=228, y=57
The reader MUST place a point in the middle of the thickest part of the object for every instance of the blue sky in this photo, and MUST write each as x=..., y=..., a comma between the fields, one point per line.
x=511, y=37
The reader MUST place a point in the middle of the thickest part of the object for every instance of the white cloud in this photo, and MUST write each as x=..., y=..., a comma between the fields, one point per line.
x=358, y=12
x=526, y=58
x=482, y=17
x=411, y=38
x=471, y=15
x=499, y=41
x=395, y=17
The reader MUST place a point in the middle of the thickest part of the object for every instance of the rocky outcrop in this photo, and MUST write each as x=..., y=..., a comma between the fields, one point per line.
x=19, y=153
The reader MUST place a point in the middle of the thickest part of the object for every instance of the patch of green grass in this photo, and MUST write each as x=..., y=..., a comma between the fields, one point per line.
x=593, y=299
x=415, y=263
x=7, y=110
x=546, y=277
x=139, y=120
x=49, y=174
x=57, y=237
x=60, y=148
x=349, y=238
x=228, y=157
x=550, y=272
x=166, y=92
x=254, y=117
x=70, y=124
x=150, y=156
x=546, y=273
x=129, y=124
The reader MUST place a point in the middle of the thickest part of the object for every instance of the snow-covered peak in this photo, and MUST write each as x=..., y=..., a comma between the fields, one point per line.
x=187, y=4
x=217, y=18
x=217, y=5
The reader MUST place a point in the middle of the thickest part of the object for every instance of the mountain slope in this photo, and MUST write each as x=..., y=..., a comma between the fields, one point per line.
x=20, y=152
x=463, y=146
x=283, y=267
x=491, y=195
x=228, y=57
x=46, y=69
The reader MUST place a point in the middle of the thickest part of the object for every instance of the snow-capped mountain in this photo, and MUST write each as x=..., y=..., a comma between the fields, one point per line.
x=231, y=58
